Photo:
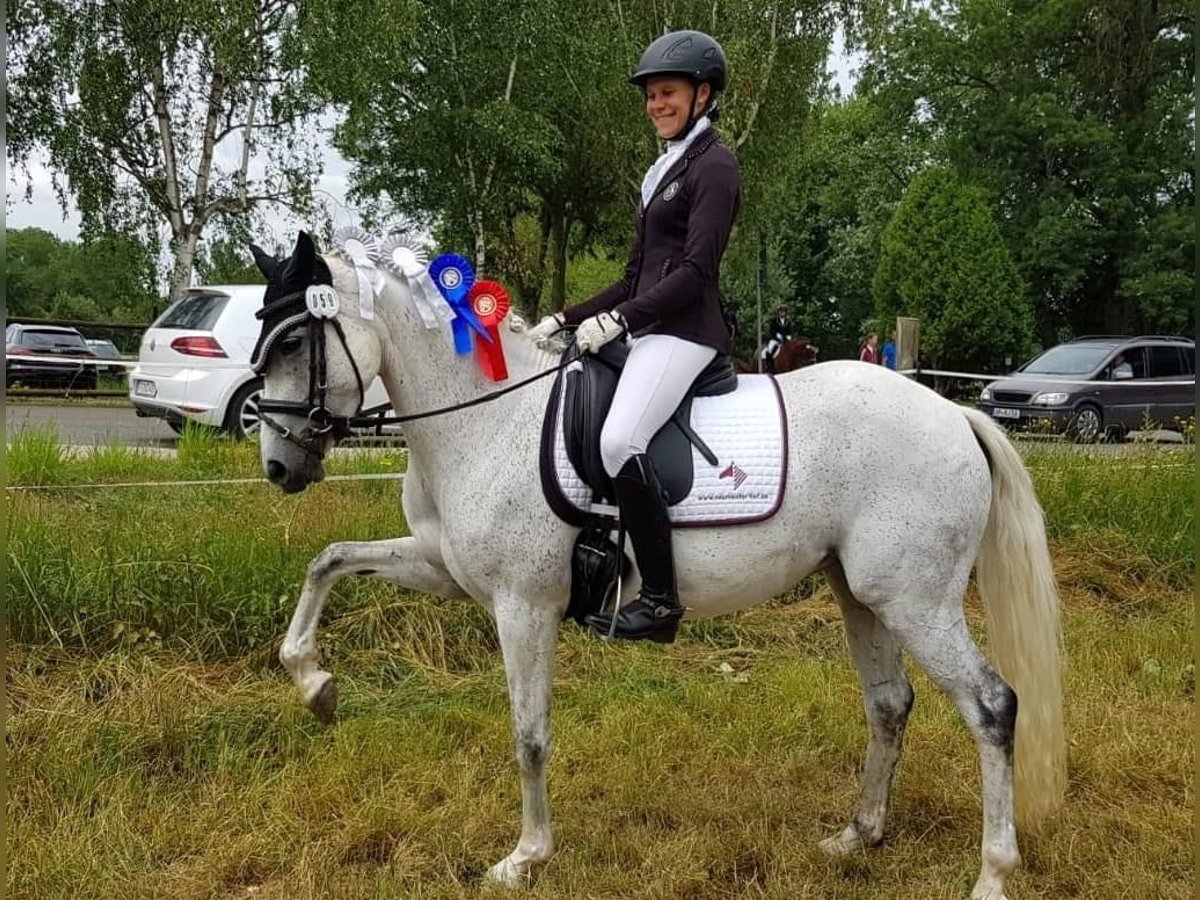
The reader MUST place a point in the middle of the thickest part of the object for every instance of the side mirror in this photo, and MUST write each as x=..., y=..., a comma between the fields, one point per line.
x=1122, y=373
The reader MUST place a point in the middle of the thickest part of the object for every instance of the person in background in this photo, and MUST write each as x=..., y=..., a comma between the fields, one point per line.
x=779, y=333
x=889, y=351
x=870, y=349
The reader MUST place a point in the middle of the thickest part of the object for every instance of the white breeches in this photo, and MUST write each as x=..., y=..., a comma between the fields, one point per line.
x=657, y=375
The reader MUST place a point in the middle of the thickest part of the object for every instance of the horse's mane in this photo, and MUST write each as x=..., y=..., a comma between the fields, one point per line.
x=522, y=352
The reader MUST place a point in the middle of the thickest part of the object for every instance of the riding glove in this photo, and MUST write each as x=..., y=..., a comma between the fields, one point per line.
x=594, y=333
x=546, y=328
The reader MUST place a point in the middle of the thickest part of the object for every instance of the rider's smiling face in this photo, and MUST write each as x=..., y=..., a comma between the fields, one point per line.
x=667, y=100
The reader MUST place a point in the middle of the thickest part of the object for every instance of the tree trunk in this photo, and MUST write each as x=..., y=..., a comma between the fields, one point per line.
x=560, y=230
x=181, y=271
x=480, y=247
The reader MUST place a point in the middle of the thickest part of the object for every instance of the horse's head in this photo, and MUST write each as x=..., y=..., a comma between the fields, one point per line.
x=316, y=356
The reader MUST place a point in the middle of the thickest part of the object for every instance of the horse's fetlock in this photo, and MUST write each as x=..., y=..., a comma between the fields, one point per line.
x=996, y=705
x=532, y=753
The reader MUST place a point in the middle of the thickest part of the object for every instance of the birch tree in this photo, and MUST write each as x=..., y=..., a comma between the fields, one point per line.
x=161, y=117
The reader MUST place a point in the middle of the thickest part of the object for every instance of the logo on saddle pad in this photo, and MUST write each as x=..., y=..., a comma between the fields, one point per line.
x=733, y=471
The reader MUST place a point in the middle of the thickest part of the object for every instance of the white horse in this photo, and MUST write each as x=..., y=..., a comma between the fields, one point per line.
x=960, y=497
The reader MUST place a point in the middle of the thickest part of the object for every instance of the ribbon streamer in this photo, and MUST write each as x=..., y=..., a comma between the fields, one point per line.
x=490, y=302
x=362, y=249
x=406, y=259
x=454, y=277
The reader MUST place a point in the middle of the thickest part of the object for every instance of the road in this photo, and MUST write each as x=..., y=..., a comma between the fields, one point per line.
x=89, y=425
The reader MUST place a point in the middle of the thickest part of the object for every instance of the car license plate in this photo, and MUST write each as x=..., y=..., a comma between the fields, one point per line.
x=1003, y=412
x=145, y=388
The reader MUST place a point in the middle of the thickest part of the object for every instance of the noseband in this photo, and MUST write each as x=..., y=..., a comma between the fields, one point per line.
x=321, y=308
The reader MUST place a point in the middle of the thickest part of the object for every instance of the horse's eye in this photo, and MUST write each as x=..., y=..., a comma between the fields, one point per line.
x=290, y=345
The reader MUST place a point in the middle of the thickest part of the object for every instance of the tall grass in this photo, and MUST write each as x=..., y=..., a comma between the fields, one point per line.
x=155, y=749
x=1138, y=505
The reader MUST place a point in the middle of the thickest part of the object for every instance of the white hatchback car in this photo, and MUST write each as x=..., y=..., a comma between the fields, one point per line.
x=194, y=362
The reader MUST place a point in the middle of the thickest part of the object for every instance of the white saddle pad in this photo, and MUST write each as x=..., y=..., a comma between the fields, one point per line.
x=746, y=429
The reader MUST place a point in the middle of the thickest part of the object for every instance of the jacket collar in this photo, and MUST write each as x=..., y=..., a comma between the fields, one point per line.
x=702, y=142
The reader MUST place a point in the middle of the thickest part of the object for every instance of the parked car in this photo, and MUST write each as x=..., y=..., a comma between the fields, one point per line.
x=1099, y=385
x=106, y=350
x=194, y=362
x=62, y=343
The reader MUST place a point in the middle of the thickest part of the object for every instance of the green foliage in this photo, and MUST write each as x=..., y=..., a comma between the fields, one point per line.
x=144, y=109
x=227, y=260
x=108, y=277
x=536, y=125
x=848, y=173
x=943, y=262
x=1077, y=119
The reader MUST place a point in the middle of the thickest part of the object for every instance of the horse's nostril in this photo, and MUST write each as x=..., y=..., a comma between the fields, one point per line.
x=276, y=471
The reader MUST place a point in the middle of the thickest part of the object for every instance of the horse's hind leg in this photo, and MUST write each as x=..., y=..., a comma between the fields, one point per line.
x=528, y=633
x=887, y=698
x=935, y=633
x=397, y=560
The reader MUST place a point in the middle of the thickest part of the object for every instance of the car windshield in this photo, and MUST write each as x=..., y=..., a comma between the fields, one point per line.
x=198, y=312
x=1067, y=359
x=50, y=340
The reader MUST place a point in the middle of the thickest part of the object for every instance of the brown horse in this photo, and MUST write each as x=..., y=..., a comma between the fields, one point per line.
x=794, y=354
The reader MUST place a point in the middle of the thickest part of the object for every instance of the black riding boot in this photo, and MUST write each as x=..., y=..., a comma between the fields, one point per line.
x=656, y=612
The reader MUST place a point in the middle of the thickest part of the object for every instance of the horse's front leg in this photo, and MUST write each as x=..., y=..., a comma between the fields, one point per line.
x=527, y=637
x=396, y=560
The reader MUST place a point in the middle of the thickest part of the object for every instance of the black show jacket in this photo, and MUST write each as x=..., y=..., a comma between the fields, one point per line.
x=670, y=284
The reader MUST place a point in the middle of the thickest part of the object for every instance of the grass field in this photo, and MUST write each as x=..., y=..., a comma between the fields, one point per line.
x=156, y=749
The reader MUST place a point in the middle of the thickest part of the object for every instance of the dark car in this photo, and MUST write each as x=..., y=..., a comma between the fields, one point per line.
x=59, y=354
x=1099, y=385
x=106, y=350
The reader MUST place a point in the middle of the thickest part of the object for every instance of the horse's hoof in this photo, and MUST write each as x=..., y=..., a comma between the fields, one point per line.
x=507, y=873
x=324, y=703
x=845, y=844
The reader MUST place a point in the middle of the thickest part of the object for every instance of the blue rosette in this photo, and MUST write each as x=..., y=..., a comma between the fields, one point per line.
x=454, y=277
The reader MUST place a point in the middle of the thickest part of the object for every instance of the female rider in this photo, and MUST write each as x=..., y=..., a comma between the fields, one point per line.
x=667, y=301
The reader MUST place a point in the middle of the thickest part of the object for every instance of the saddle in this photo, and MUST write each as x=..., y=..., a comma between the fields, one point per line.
x=586, y=387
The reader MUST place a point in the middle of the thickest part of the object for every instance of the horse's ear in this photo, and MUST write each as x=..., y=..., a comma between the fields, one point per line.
x=267, y=264
x=299, y=266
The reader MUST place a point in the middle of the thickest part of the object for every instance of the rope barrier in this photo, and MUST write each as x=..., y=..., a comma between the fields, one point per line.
x=376, y=476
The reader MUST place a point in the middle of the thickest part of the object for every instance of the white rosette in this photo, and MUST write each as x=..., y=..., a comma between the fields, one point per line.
x=362, y=249
x=406, y=259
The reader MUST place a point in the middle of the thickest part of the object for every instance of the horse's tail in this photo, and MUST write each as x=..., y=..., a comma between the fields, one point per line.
x=1016, y=582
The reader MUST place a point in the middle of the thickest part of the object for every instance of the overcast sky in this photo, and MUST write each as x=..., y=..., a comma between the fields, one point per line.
x=42, y=209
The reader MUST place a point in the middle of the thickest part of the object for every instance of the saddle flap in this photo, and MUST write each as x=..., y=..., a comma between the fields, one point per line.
x=589, y=383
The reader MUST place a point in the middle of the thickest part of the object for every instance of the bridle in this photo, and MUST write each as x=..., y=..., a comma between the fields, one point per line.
x=319, y=419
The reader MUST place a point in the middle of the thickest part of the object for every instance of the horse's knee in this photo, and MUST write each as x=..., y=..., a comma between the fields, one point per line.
x=888, y=706
x=996, y=712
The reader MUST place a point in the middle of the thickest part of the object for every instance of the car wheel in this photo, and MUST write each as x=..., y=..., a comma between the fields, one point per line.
x=176, y=427
x=1087, y=425
x=241, y=419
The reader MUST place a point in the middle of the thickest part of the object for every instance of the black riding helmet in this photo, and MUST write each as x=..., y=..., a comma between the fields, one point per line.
x=691, y=54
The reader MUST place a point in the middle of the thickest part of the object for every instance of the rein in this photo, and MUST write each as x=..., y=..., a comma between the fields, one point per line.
x=368, y=418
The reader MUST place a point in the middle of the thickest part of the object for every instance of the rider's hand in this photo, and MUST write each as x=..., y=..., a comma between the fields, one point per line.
x=594, y=333
x=547, y=327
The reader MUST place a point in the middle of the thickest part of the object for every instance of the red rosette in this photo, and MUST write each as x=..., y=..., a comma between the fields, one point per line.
x=490, y=303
